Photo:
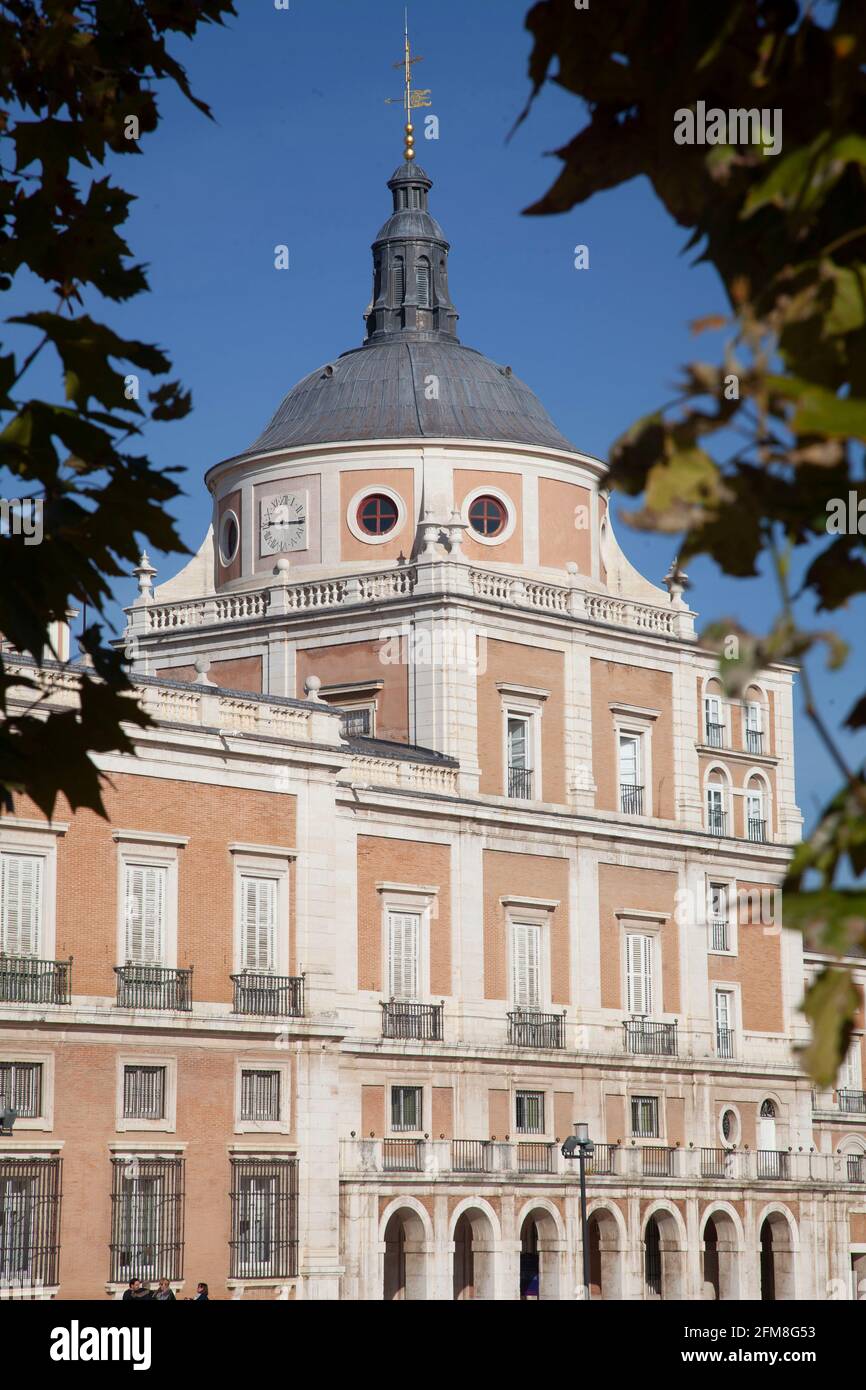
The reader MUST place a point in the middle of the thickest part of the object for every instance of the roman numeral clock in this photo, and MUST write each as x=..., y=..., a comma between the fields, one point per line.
x=284, y=523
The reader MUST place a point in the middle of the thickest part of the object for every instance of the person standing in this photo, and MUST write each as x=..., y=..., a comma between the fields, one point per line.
x=164, y=1293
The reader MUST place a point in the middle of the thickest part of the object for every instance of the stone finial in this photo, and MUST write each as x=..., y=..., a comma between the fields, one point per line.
x=455, y=528
x=144, y=572
x=282, y=568
x=202, y=666
x=676, y=581
x=430, y=531
x=312, y=686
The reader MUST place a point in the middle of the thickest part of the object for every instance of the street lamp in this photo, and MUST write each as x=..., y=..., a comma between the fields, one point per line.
x=580, y=1146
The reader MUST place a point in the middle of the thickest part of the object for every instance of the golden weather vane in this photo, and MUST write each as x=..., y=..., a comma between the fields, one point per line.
x=412, y=97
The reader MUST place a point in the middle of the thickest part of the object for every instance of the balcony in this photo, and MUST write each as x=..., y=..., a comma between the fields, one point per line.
x=535, y=1158
x=471, y=1156
x=725, y=1043
x=26, y=980
x=756, y=830
x=520, y=783
x=852, y=1102
x=630, y=799
x=645, y=1038
x=716, y=1163
x=402, y=1019
x=856, y=1168
x=715, y=735
x=403, y=1155
x=773, y=1163
x=602, y=1161
x=717, y=822
x=721, y=934
x=529, y=1029
x=657, y=1162
x=153, y=987
x=268, y=996
x=754, y=741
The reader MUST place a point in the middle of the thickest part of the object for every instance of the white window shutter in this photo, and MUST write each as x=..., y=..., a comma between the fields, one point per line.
x=753, y=718
x=629, y=761
x=21, y=904
x=259, y=927
x=404, y=932
x=145, y=913
x=639, y=970
x=526, y=946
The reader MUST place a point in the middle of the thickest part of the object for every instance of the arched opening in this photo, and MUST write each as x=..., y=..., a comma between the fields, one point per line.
x=540, y=1256
x=756, y=810
x=530, y=1261
x=664, y=1258
x=777, y=1259
x=714, y=715
x=605, y=1256
x=767, y=1126
x=404, y=1275
x=422, y=282
x=717, y=803
x=399, y=281
x=473, y=1256
x=720, y=1257
x=652, y=1260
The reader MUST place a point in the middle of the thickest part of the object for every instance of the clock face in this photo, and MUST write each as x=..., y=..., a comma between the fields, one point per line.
x=284, y=523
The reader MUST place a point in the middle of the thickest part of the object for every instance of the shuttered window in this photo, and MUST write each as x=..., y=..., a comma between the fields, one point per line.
x=526, y=965
x=145, y=913
x=21, y=1088
x=404, y=938
x=399, y=281
x=422, y=283
x=144, y=1093
x=260, y=1095
x=529, y=1112
x=21, y=904
x=639, y=972
x=259, y=928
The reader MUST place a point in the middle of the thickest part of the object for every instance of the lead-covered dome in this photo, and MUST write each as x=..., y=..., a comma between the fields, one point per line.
x=412, y=378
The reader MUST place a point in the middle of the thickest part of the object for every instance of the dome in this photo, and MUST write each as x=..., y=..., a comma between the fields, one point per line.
x=412, y=378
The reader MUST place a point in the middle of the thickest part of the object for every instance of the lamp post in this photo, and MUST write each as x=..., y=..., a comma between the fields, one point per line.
x=580, y=1145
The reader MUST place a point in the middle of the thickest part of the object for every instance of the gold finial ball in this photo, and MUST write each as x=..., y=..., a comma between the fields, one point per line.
x=409, y=127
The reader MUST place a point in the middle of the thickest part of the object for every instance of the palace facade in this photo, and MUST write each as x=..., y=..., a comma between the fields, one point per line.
x=444, y=836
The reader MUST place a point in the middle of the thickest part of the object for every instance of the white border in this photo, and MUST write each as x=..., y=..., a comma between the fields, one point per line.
x=352, y=514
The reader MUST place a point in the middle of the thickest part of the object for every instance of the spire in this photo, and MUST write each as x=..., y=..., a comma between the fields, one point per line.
x=410, y=267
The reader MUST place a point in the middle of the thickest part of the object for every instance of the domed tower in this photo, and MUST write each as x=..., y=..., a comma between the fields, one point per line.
x=402, y=532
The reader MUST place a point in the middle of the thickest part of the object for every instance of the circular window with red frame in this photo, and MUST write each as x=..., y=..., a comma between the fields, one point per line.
x=488, y=516
x=377, y=514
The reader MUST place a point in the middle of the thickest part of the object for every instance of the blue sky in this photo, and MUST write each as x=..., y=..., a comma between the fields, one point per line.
x=299, y=153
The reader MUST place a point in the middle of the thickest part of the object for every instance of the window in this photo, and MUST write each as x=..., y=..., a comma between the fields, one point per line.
x=399, y=280
x=144, y=1093
x=144, y=904
x=526, y=964
x=631, y=790
x=146, y=1219
x=406, y=1111
x=21, y=1088
x=21, y=904
x=264, y=1226
x=724, y=1006
x=487, y=515
x=716, y=808
x=422, y=282
x=719, y=924
x=29, y=1222
x=729, y=1127
x=849, y=1072
x=229, y=538
x=377, y=514
x=404, y=941
x=639, y=957
x=529, y=1112
x=519, y=749
x=357, y=721
x=754, y=727
x=260, y=1095
x=645, y=1117
x=714, y=721
x=259, y=926
x=756, y=825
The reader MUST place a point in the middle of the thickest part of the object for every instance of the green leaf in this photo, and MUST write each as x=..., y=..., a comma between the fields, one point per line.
x=830, y=1005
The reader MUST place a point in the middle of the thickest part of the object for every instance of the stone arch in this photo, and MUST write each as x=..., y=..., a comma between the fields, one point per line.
x=778, y=1244
x=722, y=1247
x=475, y=1232
x=664, y=1244
x=542, y=1247
x=608, y=1250
x=406, y=1237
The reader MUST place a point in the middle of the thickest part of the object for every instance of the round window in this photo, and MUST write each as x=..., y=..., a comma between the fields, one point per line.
x=377, y=514
x=729, y=1126
x=488, y=516
x=229, y=538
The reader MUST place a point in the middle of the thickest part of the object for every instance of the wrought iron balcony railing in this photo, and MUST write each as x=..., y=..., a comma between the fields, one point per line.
x=402, y=1155
x=641, y=1035
x=757, y=830
x=535, y=1158
x=754, y=741
x=153, y=987
x=716, y=1163
x=721, y=934
x=471, y=1155
x=773, y=1163
x=526, y=1028
x=715, y=735
x=277, y=996
x=403, y=1019
x=717, y=822
x=852, y=1102
x=602, y=1161
x=630, y=799
x=26, y=980
x=725, y=1043
x=657, y=1161
x=856, y=1168
x=520, y=783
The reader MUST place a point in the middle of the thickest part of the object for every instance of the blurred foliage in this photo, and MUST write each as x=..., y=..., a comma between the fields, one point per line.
x=78, y=86
x=787, y=236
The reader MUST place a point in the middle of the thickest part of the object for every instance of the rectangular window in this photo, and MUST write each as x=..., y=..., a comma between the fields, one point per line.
x=404, y=944
x=259, y=898
x=260, y=1095
x=145, y=905
x=754, y=728
x=849, y=1073
x=715, y=811
x=146, y=1219
x=713, y=723
x=21, y=1088
x=264, y=1229
x=719, y=924
x=639, y=954
x=519, y=751
x=143, y=1093
x=630, y=782
x=645, y=1117
x=21, y=904
x=406, y=1102
x=357, y=721
x=526, y=964
x=29, y=1222
x=529, y=1112
x=724, y=1023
